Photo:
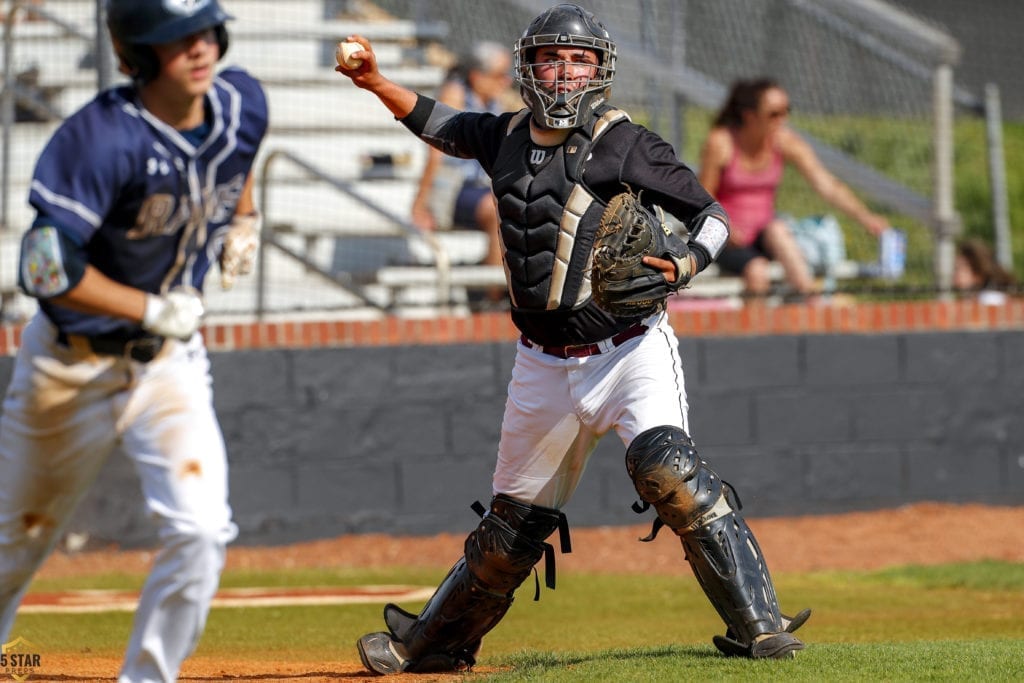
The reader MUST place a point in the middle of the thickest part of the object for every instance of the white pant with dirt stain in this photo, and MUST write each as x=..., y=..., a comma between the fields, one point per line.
x=66, y=410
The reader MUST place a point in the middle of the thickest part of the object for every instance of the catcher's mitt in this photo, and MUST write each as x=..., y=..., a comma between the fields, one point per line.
x=621, y=284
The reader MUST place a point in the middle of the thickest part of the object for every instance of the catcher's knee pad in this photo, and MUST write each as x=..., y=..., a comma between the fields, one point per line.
x=670, y=476
x=477, y=592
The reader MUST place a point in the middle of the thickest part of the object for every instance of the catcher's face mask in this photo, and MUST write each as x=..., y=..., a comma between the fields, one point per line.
x=548, y=63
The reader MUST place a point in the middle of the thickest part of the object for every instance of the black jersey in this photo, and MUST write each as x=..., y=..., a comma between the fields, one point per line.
x=550, y=200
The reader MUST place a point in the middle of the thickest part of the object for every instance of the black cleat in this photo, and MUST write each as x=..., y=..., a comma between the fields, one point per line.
x=727, y=646
x=730, y=647
x=381, y=654
x=775, y=646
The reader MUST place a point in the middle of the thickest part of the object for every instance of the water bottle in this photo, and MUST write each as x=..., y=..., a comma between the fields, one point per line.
x=892, y=253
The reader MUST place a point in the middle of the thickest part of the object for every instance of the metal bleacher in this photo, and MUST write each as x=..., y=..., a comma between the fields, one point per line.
x=337, y=231
x=375, y=254
x=313, y=231
x=338, y=223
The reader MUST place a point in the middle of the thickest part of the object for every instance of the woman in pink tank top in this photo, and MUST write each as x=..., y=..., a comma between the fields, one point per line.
x=741, y=166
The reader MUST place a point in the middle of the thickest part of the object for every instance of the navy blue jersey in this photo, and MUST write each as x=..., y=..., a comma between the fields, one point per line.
x=147, y=206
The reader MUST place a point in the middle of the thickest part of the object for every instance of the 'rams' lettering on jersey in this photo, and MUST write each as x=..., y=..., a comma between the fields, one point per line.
x=147, y=201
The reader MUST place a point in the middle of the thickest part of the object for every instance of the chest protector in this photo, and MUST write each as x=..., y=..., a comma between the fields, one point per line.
x=548, y=218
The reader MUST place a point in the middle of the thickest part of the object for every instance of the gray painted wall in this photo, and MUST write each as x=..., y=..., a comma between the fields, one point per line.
x=353, y=440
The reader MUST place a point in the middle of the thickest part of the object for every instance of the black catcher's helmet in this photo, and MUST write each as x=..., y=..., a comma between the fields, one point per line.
x=135, y=25
x=564, y=26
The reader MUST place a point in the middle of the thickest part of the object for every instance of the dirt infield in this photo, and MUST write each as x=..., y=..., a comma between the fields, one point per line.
x=926, y=533
x=95, y=669
x=920, y=534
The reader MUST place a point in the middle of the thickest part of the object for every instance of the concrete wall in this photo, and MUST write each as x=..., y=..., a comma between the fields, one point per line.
x=402, y=439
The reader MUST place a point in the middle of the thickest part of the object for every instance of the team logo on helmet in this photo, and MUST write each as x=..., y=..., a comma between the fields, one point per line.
x=185, y=7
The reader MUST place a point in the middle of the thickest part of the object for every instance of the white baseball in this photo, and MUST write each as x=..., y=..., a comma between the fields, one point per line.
x=344, y=54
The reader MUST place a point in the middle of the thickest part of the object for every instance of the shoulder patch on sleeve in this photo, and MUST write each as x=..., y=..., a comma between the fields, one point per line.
x=43, y=273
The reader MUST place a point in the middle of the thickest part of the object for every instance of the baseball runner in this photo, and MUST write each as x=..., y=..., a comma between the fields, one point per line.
x=582, y=369
x=136, y=194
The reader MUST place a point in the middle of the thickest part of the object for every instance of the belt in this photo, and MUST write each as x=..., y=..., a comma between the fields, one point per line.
x=592, y=349
x=139, y=347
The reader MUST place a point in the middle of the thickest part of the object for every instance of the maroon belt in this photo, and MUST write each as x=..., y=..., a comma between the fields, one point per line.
x=584, y=350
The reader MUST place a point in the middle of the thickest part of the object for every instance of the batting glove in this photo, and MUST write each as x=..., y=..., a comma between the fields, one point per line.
x=241, y=243
x=175, y=314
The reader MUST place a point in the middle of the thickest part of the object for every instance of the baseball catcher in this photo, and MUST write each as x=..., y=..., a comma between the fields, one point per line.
x=589, y=265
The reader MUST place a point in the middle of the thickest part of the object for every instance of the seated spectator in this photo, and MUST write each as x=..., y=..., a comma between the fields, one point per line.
x=477, y=83
x=741, y=166
x=976, y=271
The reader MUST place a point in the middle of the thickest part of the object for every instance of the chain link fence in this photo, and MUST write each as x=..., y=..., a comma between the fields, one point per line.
x=862, y=79
x=871, y=85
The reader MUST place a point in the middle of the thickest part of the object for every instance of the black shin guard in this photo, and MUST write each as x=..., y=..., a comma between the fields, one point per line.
x=453, y=622
x=698, y=506
x=729, y=566
x=477, y=592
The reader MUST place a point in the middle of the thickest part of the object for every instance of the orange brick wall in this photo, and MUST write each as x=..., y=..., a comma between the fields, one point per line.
x=864, y=318
x=490, y=327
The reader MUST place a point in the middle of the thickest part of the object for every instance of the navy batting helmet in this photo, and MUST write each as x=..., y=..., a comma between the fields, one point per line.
x=564, y=26
x=135, y=25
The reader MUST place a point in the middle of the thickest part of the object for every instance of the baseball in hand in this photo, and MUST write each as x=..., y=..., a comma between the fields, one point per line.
x=344, y=54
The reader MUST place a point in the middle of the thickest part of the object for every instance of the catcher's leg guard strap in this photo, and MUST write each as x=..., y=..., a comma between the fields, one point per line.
x=477, y=592
x=698, y=506
x=528, y=522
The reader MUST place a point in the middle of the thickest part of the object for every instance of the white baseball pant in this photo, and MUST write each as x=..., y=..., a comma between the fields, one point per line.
x=558, y=409
x=65, y=412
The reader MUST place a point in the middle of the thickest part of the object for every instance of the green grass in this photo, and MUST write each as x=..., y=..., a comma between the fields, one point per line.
x=963, y=660
x=951, y=622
